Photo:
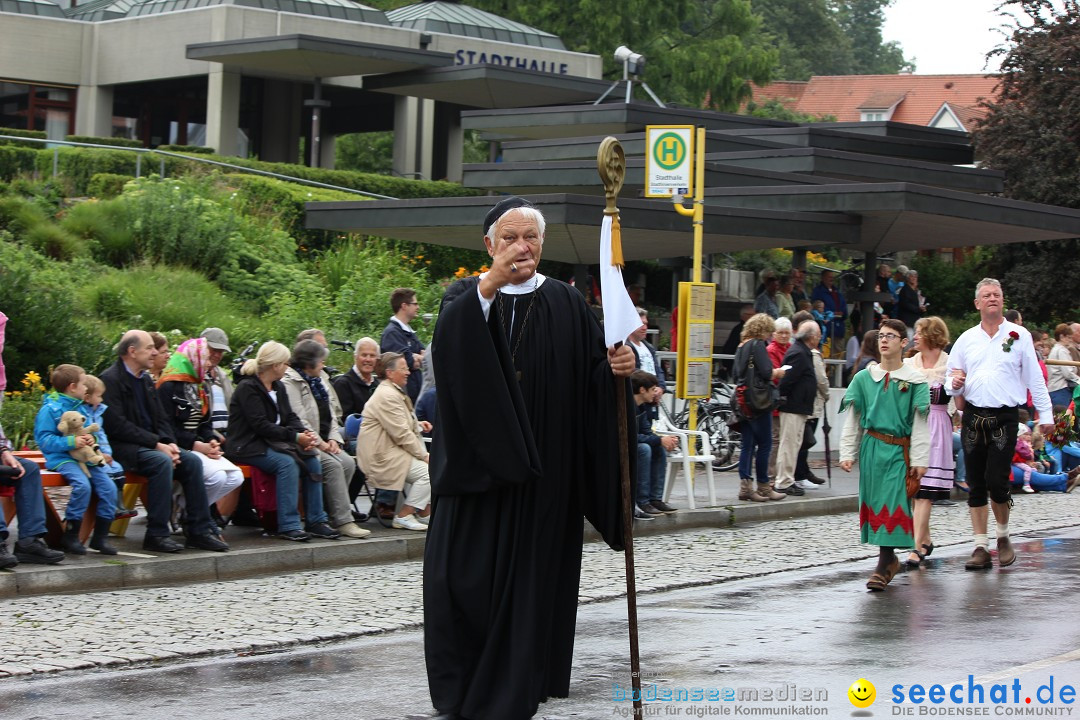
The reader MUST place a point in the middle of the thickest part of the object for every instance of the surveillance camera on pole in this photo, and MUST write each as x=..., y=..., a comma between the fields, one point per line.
x=633, y=68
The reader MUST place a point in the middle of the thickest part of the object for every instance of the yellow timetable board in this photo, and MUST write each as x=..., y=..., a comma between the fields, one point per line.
x=697, y=308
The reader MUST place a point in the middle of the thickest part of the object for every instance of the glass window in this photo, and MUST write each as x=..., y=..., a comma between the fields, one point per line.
x=14, y=105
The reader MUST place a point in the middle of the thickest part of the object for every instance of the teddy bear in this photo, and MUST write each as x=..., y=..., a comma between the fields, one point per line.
x=72, y=423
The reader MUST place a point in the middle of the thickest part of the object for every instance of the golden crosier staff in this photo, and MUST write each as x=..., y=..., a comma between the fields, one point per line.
x=611, y=164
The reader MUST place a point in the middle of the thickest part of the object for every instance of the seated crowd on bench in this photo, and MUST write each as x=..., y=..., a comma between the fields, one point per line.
x=181, y=422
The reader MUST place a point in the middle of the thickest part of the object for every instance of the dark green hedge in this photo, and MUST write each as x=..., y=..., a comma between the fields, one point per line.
x=15, y=161
x=39, y=134
x=118, y=142
x=368, y=182
x=78, y=165
x=195, y=149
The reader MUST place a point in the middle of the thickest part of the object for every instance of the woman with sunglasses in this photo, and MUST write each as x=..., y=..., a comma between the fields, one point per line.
x=887, y=432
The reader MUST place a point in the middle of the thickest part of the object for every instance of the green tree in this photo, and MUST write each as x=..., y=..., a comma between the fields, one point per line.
x=807, y=36
x=371, y=152
x=830, y=37
x=1032, y=133
x=861, y=21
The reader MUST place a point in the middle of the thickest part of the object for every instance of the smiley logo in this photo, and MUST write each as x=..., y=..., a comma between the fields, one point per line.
x=862, y=693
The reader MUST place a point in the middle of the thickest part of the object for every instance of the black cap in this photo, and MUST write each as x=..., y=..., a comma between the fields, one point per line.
x=503, y=207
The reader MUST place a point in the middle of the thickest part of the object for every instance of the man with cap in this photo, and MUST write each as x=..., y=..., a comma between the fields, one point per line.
x=221, y=387
x=526, y=447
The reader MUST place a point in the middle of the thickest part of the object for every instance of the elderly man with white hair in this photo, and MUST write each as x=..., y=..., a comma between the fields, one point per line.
x=798, y=389
x=525, y=449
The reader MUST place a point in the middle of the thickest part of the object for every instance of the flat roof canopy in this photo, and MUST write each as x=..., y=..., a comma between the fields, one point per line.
x=861, y=167
x=903, y=216
x=609, y=118
x=650, y=228
x=489, y=86
x=307, y=56
x=898, y=144
x=584, y=148
x=579, y=176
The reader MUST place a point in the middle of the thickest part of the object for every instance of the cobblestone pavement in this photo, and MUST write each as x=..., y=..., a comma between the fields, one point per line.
x=137, y=626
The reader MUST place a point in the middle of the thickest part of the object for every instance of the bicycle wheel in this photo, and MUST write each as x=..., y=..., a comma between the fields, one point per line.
x=725, y=440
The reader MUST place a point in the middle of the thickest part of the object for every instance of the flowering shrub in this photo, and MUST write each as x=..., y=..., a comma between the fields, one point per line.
x=19, y=410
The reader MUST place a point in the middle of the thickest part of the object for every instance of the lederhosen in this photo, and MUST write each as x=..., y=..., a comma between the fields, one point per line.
x=988, y=438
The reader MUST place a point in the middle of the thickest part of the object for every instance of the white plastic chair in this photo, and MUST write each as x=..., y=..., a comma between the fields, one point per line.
x=684, y=458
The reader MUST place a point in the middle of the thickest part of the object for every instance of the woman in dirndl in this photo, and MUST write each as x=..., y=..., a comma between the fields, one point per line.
x=930, y=358
x=886, y=432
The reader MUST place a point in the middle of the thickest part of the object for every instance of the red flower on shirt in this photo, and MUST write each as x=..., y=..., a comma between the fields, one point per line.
x=1013, y=337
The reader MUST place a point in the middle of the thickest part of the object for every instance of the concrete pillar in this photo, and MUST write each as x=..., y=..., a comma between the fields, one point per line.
x=426, y=139
x=405, y=139
x=452, y=145
x=223, y=110
x=94, y=111
x=327, y=151
x=281, y=117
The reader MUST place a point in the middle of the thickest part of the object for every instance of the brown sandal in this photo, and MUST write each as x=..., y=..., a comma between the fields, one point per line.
x=878, y=581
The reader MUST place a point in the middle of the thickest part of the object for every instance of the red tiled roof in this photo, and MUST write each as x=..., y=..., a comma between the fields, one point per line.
x=842, y=95
x=881, y=101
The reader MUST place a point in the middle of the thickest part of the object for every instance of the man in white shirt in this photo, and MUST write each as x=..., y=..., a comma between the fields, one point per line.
x=993, y=366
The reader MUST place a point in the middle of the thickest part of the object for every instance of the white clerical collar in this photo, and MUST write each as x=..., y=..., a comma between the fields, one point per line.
x=522, y=288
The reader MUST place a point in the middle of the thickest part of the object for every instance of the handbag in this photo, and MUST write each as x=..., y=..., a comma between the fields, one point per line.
x=761, y=394
x=753, y=395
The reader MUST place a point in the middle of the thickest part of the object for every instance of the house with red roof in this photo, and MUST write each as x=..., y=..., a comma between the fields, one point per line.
x=938, y=101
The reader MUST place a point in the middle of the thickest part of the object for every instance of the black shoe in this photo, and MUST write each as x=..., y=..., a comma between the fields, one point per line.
x=650, y=509
x=35, y=551
x=165, y=544
x=640, y=514
x=70, y=538
x=245, y=519
x=294, y=535
x=322, y=530
x=815, y=479
x=206, y=542
x=123, y=512
x=100, y=539
x=359, y=517
x=792, y=490
x=7, y=560
x=664, y=507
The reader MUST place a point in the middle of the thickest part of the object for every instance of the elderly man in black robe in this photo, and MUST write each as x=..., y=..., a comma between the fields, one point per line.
x=525, y=447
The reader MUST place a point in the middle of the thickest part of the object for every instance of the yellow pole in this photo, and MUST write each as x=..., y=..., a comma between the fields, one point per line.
x=698, y=215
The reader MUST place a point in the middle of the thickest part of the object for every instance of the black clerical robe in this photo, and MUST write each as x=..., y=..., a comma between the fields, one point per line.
x=517, y=462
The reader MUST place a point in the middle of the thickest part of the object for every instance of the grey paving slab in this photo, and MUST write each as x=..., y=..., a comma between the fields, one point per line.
x=144, y=625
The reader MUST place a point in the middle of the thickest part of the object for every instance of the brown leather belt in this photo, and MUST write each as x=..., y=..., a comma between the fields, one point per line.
x=905, y=444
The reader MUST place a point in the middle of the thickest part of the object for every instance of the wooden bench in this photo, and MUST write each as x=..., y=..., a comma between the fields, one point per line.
x=135, y=487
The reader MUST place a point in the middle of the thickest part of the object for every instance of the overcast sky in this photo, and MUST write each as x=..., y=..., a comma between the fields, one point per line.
x=945, y=36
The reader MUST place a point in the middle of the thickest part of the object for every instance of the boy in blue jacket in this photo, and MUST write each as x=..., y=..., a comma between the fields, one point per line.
x=69, y=393
x=652, y=449
x=94, y=410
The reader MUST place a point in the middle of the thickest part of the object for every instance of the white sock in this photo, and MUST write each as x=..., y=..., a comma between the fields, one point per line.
x=1003, y=530
x=980, y=540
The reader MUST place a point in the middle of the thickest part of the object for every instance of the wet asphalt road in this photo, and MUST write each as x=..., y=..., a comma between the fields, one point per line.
x=816, y=629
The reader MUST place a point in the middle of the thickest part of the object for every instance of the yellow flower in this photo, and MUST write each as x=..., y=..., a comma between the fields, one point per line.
x=31, y=378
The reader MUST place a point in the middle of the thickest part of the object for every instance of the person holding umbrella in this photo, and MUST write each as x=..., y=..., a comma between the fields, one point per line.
x=803, y=474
